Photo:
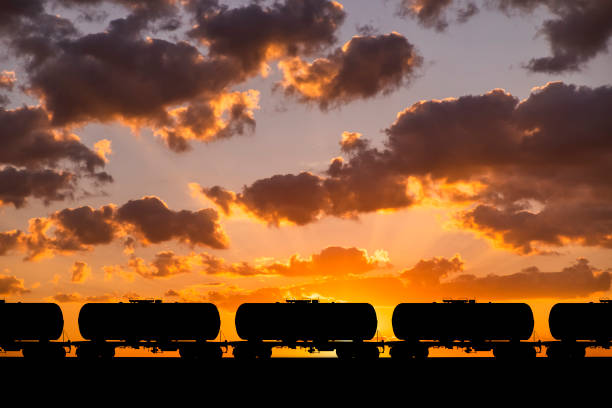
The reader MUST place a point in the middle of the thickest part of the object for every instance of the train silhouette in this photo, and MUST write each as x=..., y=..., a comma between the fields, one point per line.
x=346, y=328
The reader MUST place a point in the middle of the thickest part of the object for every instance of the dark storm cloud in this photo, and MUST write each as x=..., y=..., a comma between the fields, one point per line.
x=579, y=30
x=149, y=220
x=254, y=33
x=364, y=67
x=537, y=170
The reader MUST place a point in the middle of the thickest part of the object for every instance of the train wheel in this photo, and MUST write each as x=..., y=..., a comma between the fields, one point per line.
x=421, y=353
x=344, y=353
x=368, y=352
x=87, y=352
x=529, y=353
x=214, y=353
x=264, y=353
x=577, y=352
x=106, y=352
x=244, y=353
x=55, y=352
x=398, y=353
x=187, y=353
x=30, y=353
x=557, y=352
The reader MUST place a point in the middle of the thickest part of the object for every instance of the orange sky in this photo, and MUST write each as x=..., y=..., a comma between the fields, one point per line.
x=369, y=151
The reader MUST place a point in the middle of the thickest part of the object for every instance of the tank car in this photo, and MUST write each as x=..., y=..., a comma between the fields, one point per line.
x=306, y=323
x=162, y=326
x=579, y=325
x=30, y=327
x=462, y=323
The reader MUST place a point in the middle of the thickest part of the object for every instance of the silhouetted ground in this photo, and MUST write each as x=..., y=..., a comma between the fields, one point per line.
x=312, y=381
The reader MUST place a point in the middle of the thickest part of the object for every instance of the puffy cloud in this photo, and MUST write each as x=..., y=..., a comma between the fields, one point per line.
x=11, y=285
x=31, y=142
x=152, y=221
x=175, y=90
x=171, y=293
x=296, y=198
x=29, y=139
x=103, y=148
x=7, y=82
x=534, y=172
x=592, y=18
x=119, y=75
x=168, y=86
x=231, y=298
x=165, y=265
x=142, y=13
x=578, y=280
x=331, y=261
x=304, y=198
x=213, y=265
x=76, y=297
x=80, y=272
x=16, y=186
x=430, y=271
x=364, y=67
x=433, y=13
x=254, y=34
x=9, y=240
x=148, y=220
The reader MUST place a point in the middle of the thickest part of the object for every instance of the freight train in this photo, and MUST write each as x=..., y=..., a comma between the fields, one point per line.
x=346, y=328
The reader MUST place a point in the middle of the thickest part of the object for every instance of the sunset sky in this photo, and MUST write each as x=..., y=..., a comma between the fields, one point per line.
x=379, y=151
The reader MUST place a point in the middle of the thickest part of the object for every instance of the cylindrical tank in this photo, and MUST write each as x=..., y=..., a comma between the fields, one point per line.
x=149, y=321
x=30, y=321
x=305, y=321
x=462, y=321
x=581, y=321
